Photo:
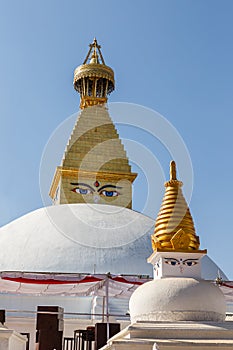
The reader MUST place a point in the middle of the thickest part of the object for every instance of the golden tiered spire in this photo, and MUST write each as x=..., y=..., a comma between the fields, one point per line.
x=93, y=80
x=174, y=227
x=95, y=167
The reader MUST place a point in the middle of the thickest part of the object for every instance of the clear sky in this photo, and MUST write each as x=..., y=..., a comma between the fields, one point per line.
x=173, y=56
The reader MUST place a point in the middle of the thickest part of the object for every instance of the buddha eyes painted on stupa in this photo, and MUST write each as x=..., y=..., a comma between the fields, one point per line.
x=108, y=190
x=110, y=193
x=82, y=190
x=176, y=262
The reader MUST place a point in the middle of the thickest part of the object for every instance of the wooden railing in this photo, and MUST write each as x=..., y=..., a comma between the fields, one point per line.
x=82, y=340
x=68, y=344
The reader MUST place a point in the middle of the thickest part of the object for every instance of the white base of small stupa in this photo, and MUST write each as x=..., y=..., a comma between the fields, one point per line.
x=173, y=336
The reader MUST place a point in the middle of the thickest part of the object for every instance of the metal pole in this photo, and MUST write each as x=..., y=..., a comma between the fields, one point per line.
x=103, y=307
x=107, y=304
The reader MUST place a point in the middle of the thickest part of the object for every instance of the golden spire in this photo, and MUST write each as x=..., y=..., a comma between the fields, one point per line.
x=174, y=227
x=93, y=80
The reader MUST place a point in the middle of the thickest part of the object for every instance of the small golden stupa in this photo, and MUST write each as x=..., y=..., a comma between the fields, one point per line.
x=93, y=79
x=174, y=227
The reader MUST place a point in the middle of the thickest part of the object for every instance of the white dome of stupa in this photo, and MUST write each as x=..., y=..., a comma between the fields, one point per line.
x=177, y=299
x=82, y=238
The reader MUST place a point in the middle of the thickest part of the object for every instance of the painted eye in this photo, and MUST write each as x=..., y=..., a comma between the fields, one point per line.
x=172, y=262
x=109, y=193
x=82, y=191
x=190, y=262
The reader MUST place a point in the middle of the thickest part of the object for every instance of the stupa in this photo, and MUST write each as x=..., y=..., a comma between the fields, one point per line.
x=91, y=227
x=95, y=167
x=178, y=309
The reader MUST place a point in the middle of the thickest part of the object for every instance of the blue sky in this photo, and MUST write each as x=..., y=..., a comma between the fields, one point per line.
x=173, y=56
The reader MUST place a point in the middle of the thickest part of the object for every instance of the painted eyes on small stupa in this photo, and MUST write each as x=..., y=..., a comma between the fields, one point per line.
x=187, y=262
x=190, y=263
x=172, y=262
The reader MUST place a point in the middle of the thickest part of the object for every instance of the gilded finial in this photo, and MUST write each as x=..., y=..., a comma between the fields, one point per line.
x=95, y=48
x=93, y=79
x=94, y=58
x=173, y=170
x=174, y=227
x=173, y=177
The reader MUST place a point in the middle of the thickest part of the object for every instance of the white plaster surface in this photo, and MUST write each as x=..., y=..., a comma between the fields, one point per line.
x=78, y=238
x=11, y=340
x=82, y=238
x=177, y=299
x=173, y=336
x=168, y=264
